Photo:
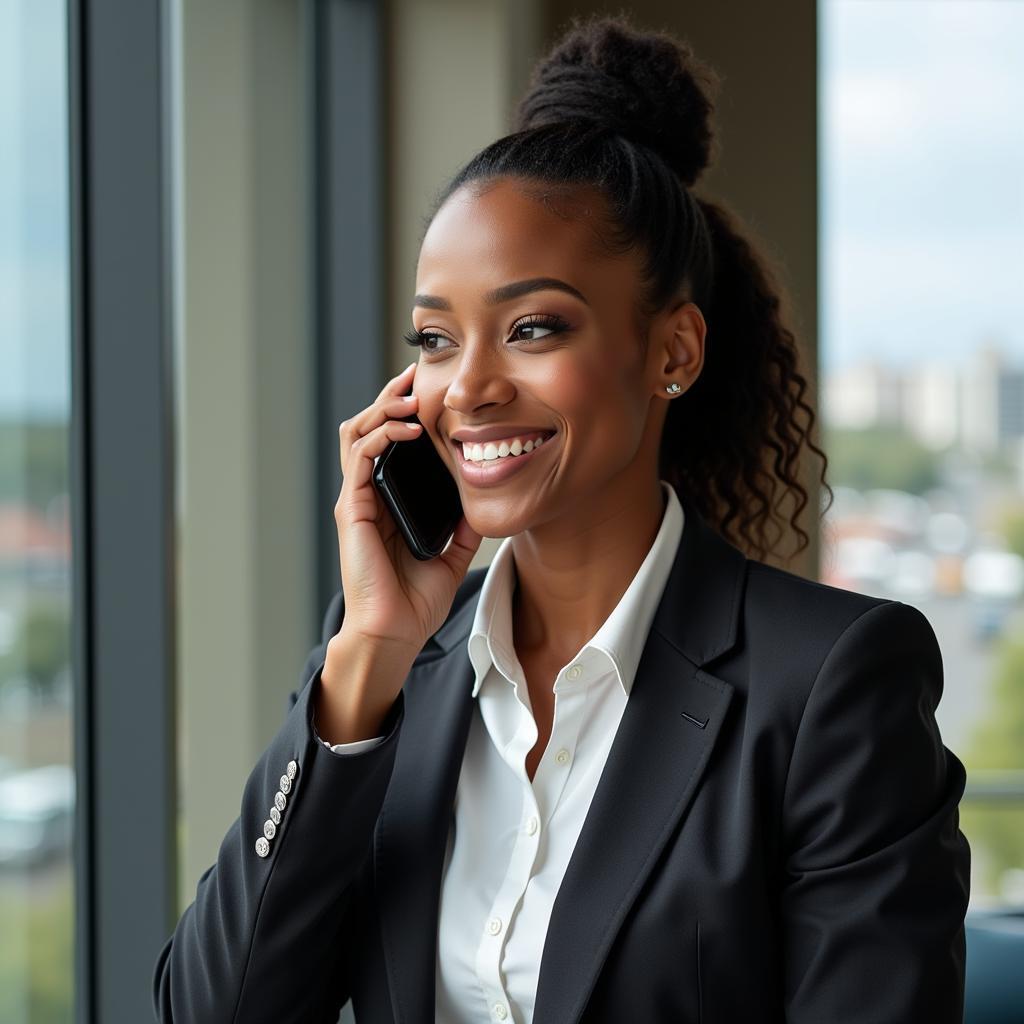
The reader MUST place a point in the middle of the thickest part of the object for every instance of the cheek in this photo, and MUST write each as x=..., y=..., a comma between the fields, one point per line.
x=428, y=412
x=593, y=396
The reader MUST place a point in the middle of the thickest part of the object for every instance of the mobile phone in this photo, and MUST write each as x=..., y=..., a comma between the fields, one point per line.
x=419, y=491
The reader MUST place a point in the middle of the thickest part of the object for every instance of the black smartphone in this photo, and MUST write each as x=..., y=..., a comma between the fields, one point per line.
x=420, y=493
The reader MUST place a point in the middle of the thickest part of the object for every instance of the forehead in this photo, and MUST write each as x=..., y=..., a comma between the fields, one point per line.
x=514, y=230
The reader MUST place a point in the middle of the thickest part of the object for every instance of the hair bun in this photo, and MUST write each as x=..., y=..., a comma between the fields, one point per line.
x=646, y=86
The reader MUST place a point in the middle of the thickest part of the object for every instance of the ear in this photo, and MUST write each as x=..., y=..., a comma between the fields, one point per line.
x=677, y=348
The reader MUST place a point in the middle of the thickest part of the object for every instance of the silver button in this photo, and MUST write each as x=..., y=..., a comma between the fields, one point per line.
x=562, y=757
x=293, y=769
x=494, y=925
x=262, y=846
x=500, y=1011
x=275, y=815
x=285, y=783
x=269, y=829
x=531, y=826
x=574, y=672
x=280, y=800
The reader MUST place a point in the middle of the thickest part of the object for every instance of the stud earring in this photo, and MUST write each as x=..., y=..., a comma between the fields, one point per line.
x=673, y=388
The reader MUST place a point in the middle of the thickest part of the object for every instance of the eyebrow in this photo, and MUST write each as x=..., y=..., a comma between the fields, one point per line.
x=506, y=293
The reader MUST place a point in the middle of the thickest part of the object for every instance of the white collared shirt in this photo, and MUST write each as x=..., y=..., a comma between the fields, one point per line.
x=511, y=840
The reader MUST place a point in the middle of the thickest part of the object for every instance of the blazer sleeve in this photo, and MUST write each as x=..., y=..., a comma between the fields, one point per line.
x=877, y=872
x=270, y=936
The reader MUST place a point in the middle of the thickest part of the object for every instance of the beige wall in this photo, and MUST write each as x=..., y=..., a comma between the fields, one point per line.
x=243, y=348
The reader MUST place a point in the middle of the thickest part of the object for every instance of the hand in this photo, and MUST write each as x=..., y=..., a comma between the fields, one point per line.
x=392, y=598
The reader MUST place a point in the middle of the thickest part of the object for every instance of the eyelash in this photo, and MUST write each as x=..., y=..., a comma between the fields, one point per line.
x=555, y=324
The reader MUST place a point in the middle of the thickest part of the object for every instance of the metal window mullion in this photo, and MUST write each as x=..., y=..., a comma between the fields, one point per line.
x=122, y=505
x=349, y=228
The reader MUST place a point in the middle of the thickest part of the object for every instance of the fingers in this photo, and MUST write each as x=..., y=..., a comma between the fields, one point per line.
x=391, y=403
x=365, y=449
x=399, y=384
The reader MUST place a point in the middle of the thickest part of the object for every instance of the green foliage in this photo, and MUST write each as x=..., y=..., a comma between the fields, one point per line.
x=37, y=951
x=997, y=743
x=33, y=462
x=881, y=457
x=1012, y=528
x=41, y=648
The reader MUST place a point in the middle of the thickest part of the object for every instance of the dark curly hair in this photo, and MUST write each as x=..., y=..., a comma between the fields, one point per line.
x=628, y=113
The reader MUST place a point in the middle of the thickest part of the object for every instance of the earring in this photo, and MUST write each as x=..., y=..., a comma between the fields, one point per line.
x=673, y=388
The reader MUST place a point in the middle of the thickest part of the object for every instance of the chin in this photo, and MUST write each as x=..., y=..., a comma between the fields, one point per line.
x=493, y=525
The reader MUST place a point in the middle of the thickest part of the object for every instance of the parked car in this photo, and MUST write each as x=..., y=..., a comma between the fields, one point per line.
x=36, y=814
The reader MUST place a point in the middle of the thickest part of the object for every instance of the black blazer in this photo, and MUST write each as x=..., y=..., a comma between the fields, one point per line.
x=775, y=836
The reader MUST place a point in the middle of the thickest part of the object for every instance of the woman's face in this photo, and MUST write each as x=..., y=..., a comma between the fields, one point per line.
x=544, y=358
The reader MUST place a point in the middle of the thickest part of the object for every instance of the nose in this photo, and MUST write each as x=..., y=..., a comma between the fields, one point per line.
x=480, y=379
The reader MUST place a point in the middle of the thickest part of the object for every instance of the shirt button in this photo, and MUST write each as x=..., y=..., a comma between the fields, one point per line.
x=500, y=1011
x=494, y=925
x=531, y=826
x=562, y=757
x=574, y=672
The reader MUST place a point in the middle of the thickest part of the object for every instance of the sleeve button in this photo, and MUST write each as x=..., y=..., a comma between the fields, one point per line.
x=262, y=846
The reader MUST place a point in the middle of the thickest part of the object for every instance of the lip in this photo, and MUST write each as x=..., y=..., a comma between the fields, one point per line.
x=496, y=471
x=496, y=433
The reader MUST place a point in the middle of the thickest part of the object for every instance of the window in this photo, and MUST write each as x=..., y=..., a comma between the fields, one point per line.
x=922, y=364
x=37, y=780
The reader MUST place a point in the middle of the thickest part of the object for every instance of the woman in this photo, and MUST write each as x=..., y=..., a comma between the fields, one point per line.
x=627, y=772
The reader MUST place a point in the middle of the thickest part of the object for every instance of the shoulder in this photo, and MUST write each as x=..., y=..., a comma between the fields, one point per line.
x=806, y=628
x=788, y=605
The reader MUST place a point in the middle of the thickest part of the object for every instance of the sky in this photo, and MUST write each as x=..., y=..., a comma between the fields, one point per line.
x=921, y=171
x=34, y=274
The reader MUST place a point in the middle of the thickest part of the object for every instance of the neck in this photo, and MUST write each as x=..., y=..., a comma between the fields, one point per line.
x=571, y=575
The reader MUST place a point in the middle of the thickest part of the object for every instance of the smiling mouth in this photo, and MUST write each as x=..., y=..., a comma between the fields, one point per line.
x=484, y=453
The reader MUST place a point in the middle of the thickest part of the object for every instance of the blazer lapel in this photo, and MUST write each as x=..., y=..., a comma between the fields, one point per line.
x=656, y=762
x=657, y=759
x=412, y=829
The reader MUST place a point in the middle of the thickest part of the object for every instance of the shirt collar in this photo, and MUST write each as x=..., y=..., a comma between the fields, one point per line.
x=622, y=636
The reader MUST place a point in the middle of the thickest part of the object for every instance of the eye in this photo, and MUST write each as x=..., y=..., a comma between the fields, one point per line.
x=537, y=322
x=421, y=339
x=551, y=324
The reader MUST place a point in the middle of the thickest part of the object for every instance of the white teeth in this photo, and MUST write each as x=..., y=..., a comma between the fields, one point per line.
x=490, y=451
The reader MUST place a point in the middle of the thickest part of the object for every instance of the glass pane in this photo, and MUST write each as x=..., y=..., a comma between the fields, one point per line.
x=922, y=363
x=36, y=777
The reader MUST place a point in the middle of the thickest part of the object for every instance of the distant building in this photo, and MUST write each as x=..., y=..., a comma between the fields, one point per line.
x=864, y=395
x=979, y=406
x=933, y=405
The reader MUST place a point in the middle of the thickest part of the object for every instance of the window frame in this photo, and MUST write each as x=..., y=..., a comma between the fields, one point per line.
x=122, y=521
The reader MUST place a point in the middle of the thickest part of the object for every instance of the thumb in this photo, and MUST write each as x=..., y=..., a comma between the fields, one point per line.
x=461, y=548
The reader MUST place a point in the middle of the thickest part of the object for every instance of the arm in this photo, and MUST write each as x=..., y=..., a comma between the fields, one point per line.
x=270, y=936
x=877, y=872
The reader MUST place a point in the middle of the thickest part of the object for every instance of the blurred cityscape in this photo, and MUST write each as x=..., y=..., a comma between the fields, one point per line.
x=929, y=474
